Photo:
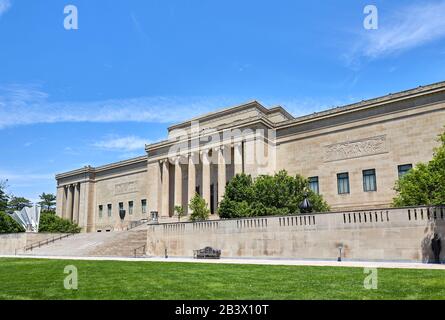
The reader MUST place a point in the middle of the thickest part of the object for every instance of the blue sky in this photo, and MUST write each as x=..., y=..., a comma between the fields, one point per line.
x=97, y=94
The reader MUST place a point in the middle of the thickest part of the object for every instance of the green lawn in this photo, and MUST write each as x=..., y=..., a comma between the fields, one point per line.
x=43, y=279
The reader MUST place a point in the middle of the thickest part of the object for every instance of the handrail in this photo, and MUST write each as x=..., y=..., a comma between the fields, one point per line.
x=136, y=250
x=46, y=241
x=135, y=224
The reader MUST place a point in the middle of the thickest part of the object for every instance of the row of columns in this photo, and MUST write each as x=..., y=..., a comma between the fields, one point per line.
x=70, y=209
x=206, y=175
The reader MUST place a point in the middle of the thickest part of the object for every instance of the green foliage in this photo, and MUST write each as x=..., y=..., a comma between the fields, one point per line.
x=3, y=196
x=50, y=222
x=425, y=183
x=199, y=208
x=18, y=203
x=179, y=212
x=48, y=201
x=9, y=225
x=280, y=194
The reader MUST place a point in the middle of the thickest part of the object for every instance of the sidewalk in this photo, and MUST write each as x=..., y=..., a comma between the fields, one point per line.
x=280, y=262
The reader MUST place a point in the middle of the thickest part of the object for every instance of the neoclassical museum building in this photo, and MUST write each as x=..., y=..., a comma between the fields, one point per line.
x=352, y=155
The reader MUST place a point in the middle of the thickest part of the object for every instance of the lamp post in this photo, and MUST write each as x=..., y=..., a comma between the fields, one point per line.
x=305, y=205
x=340, y=248
x=154, y=216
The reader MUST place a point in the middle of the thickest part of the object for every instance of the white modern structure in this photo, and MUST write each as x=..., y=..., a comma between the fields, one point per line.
x=28, y=218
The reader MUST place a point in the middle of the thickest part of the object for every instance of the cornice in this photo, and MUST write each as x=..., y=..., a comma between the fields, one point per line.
x=366, y=104
x=95, y=170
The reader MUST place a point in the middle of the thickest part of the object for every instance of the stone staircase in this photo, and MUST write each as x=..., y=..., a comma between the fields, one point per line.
x=123, y=244
x=112, y=244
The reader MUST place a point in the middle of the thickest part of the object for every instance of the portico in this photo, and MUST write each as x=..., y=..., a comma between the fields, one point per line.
x=70, y=201
x=205, y=172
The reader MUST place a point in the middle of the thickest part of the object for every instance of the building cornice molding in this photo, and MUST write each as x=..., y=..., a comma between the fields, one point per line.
x=219, y=130
x=365, y=104
x=231, y=110
x=100, y=169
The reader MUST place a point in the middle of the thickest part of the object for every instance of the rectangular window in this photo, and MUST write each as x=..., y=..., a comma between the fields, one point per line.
x=313, y=184
x=130, y=207
x=121, y=206
x=109, y=208
x=403, y=169
x=144, y=206
x=369, y=180
x=101, y=211
x=343, y=183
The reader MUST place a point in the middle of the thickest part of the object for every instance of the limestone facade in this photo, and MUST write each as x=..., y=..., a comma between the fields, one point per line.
x=353, y=155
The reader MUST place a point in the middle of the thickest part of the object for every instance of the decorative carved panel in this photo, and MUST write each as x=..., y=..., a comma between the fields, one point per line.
x=127, y=187
x=356, y=149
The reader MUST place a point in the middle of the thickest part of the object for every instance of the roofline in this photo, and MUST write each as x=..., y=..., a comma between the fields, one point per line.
x=218, y=113
x=167, y=142
x=90, y=169
x=364, y=104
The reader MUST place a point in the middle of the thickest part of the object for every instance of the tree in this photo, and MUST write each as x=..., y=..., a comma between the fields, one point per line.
x=179, y=211
x=3, y=196
x=48, y=201
x=279, y=194
x=238, y=196
x=9, y=225
x=199, y=208
x=18, y=203
x=425, y=183
x=50, y=222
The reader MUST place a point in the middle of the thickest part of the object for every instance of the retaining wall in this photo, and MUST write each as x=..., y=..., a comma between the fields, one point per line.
x=385, y=234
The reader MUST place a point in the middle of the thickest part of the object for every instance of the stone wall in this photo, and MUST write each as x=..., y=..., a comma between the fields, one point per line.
x=13, y=243
x=380, y=235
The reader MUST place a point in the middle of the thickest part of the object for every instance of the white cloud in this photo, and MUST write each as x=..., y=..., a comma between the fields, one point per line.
x=13, y=177
x=24, y=105
x=4, y=6
x=411, y=26
x=129, y=143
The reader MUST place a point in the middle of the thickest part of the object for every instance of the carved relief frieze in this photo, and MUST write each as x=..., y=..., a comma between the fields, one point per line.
x=356, y=149
x=127, y=187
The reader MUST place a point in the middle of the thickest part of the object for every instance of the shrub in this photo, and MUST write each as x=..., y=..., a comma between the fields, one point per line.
x=279, y=194
x=50, y=222
x=199, y=208
x=425, y=183
x=9, y=225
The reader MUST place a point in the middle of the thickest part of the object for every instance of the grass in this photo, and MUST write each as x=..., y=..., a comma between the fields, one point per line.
x=43, y=279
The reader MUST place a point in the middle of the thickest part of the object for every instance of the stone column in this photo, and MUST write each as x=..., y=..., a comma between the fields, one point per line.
x=60, y=201
x=191, y=180
x=65, y=202
x=221, y=173
x=238, y=158
x=165, y=212
x=69, y=203
x=178, y=182
x=206, y=176
x=76, y=203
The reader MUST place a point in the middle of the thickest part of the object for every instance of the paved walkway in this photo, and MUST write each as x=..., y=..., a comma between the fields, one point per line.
x=280, y=262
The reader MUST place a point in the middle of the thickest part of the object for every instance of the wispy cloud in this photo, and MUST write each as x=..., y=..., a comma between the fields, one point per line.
x=14, y=177
x=29, y=104
x=116, y=143
x=409, y=27
x=4, y=6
